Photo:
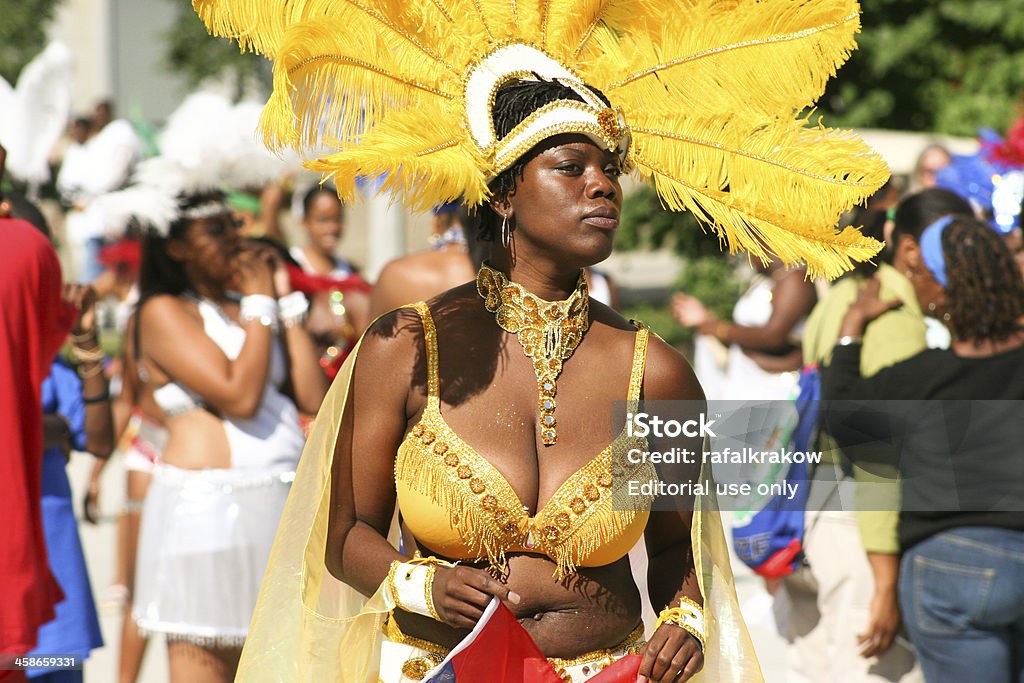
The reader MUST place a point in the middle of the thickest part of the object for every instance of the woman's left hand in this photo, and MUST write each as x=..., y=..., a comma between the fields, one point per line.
x=868, y=304
x=83, y=298
x=672, y=655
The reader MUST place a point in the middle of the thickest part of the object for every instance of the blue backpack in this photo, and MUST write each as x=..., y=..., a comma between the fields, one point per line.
x=770, y=539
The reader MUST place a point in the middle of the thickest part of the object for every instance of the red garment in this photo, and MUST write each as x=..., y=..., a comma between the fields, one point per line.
x=34, y=321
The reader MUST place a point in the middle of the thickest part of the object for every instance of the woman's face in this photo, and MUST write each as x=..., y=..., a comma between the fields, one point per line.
x=210, y=247
x=323, y=222
x=930, y=295
x=567, y=203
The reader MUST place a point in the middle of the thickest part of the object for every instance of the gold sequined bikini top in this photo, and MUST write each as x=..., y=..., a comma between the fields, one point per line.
x=459, y=504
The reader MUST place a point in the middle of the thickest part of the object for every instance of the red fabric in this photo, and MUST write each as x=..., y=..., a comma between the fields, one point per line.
x=623, y=671
x=503, y=651
x=34, y=321
x=1011, y=151
x=311, y=283
x=126, y=253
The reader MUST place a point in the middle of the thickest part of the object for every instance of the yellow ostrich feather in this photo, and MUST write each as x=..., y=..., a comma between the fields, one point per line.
x=713, y=92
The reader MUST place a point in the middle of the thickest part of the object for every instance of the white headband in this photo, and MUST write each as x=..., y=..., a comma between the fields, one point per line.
x=591, y=117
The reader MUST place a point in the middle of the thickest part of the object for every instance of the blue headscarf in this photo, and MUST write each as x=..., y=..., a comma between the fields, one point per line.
x=931, y=249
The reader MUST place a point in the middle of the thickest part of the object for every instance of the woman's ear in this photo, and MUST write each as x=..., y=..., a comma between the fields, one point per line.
x=907, y=255
x=177, y=249
x=502, y=206
x=911, y=251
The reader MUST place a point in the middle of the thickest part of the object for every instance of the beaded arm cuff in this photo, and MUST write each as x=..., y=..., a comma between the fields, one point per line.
x=689, y=616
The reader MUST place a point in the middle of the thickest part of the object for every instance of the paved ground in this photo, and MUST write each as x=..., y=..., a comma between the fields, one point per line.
x=100, y=545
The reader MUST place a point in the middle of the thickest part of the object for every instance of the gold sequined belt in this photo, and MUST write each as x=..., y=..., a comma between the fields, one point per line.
x=587, y=664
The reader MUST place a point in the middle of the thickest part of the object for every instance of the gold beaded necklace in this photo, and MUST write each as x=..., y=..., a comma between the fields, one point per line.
x=548, y=331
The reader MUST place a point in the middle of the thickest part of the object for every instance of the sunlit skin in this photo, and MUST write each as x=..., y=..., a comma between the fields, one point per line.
x=564, y=214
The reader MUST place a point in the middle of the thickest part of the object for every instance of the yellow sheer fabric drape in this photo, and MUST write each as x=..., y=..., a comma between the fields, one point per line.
x=310, y=627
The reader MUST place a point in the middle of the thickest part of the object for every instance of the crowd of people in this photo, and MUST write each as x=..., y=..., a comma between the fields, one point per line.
x=343, y=477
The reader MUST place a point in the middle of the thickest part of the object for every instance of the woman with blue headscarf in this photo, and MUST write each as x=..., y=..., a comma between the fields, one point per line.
x=961, y=527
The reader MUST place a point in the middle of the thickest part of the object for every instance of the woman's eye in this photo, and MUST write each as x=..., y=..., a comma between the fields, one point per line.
x=571, y=168
x=613, y=171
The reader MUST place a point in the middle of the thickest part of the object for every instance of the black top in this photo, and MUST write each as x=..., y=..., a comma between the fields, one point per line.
x=954, y=427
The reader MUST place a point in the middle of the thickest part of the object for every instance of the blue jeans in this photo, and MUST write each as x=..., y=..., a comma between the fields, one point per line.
x=962, y=597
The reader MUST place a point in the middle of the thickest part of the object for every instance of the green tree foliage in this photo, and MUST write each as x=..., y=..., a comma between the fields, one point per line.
x=22, y=33
x=198, y=56
x=946, y=66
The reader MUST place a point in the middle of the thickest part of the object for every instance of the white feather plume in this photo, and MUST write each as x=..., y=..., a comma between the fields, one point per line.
x=207, y=144
x=36, y=112
x=245, y=162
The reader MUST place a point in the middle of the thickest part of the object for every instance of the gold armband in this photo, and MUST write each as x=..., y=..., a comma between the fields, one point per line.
x=411, y=585
x=689, y=616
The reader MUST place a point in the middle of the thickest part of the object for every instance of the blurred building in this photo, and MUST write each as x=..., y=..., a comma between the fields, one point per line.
x=118, y=47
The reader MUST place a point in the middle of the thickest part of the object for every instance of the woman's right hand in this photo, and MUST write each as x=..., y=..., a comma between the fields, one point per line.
x=254, y=273
x=461, y=594
x=689, y=311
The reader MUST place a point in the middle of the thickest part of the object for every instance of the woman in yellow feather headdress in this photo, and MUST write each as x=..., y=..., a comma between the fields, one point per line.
x=485, y=416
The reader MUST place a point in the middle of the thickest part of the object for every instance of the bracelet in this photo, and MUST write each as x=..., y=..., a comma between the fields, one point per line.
x=688, y=616
x=848, y=340
x=99, y=398
x=87, y=355
x=259, y=308
x=88, y=336
x=722, y=331
x=90, y=373
x=411, y=585
x=293, y=309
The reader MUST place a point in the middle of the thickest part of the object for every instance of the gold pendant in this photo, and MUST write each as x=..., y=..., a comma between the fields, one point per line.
x=548, y=331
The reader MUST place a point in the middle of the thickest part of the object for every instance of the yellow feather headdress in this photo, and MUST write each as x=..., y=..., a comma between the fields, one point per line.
x=706, y=101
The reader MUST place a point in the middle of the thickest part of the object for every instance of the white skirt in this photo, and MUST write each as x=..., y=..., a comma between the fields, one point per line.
x=203, y=546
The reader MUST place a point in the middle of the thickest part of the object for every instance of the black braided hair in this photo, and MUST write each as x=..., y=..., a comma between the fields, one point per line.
x=985, y=292
x=513, y=102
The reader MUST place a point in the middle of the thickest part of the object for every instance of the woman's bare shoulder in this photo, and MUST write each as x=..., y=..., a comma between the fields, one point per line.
x=669, y=375
x=398, y=329
x=166, y=312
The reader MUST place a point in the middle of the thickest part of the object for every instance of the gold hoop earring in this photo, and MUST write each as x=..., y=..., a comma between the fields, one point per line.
x=506, y=234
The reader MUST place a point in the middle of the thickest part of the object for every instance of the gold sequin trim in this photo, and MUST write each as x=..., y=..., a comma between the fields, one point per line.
x=483, y=507
x=443, y=11
x=395, y=634
x=438, y=148
x=544, y=8
x=631, y=644
x=548, y=331
x=505, y=156
x=483, y=19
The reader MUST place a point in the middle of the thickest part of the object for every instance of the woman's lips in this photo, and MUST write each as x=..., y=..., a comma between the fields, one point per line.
x=602, y=222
